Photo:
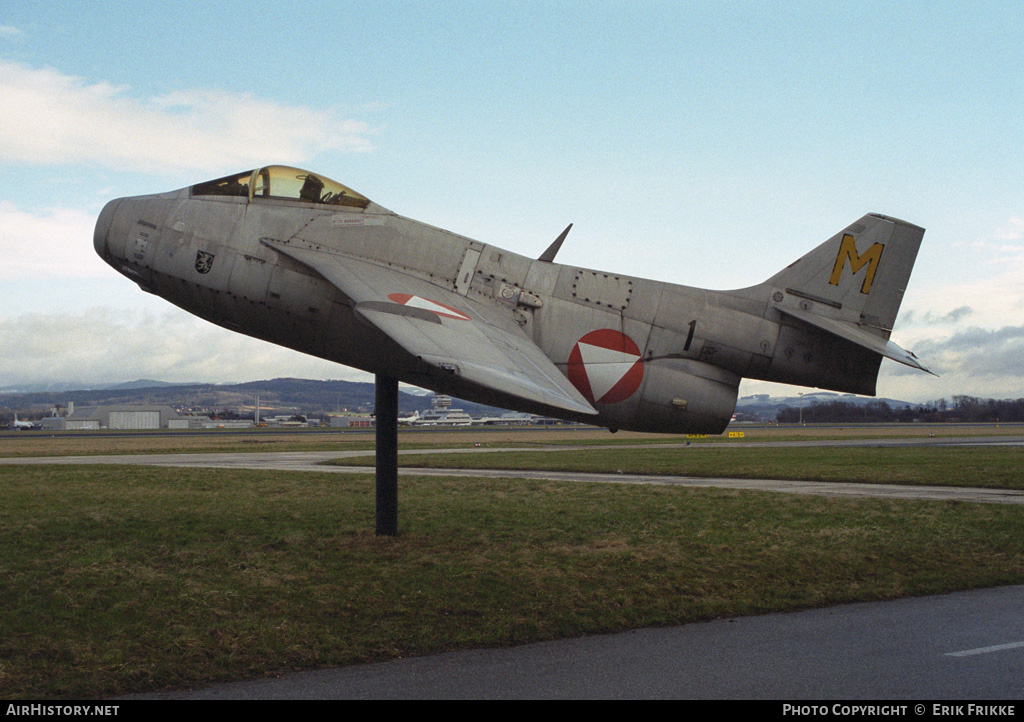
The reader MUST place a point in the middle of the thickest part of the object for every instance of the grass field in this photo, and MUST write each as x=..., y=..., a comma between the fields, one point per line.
x=122, y=578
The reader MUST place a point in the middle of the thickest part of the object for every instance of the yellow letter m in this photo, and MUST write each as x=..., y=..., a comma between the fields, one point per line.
x=848, y=250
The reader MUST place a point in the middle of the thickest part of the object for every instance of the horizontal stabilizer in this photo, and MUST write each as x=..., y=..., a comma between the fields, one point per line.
x=851, y=333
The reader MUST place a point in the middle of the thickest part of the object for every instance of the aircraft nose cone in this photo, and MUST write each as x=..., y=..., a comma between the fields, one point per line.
x=99, y=238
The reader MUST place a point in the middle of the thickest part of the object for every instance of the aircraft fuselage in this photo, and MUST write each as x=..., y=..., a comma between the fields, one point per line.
x=648, y=355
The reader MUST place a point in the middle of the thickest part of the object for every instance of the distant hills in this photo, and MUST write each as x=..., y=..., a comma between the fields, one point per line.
x=60, y=386
x=763, y=407
x=285, y=395
x=318, y=398
x=142, y=384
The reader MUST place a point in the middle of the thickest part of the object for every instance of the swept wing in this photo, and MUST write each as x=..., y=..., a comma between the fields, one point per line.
x=446, y=330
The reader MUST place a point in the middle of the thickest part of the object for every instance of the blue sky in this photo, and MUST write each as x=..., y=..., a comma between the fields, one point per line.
x=708, y=144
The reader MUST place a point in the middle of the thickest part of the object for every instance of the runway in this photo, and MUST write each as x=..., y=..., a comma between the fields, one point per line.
x=313, y=461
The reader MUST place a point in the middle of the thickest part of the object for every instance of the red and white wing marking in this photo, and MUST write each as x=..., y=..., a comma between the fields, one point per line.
x=426, y=304
x=606, y=366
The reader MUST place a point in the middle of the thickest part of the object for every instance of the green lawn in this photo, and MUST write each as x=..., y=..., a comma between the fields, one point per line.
x=120, y=579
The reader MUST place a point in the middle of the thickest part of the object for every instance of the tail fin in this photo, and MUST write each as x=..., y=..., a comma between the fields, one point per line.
x=851, y=286
x=859, y=275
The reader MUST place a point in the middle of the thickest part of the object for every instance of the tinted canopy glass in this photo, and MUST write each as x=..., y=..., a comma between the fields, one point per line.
x=283, y=183
x=232, y=185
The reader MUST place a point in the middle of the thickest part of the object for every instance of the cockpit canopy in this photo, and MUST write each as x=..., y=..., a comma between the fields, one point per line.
x=282, y=182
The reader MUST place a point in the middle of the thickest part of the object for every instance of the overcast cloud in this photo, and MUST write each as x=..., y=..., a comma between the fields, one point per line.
x=52, y=243
x=98, y=346
x=458, y=115
x=53, y=118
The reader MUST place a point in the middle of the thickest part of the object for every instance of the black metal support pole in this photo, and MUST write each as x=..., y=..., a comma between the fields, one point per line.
x=386, y=393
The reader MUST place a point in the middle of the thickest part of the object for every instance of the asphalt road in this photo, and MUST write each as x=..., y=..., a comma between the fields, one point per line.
x=963, y=646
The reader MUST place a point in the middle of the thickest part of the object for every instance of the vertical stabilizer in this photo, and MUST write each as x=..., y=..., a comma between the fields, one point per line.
x=836, y=307
x=858, y=276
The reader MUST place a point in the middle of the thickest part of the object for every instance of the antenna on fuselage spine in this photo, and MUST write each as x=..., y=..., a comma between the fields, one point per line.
x=549, y=255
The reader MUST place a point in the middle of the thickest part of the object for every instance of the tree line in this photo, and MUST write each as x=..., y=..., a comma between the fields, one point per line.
x=966, y=409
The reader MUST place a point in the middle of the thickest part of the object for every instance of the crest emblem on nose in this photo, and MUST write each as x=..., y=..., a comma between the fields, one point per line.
x=204, y=261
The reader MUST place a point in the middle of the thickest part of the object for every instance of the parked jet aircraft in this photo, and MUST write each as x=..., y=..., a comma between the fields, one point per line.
x=300, y=260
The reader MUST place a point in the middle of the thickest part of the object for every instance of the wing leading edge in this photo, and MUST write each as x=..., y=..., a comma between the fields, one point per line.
x=444, y=329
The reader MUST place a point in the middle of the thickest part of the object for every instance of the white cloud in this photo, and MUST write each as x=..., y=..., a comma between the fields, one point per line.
x=53, y=118
x=8, y=32
x=104, y=345
x=53, y=243
x=941, y=309
x=944, y=309
x=979, y=352
x=988, y=363
x=969, y=332
x=1012, y=230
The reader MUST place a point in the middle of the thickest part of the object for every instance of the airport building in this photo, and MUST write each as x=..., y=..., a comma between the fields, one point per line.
x=125, y=417
x=352, y=422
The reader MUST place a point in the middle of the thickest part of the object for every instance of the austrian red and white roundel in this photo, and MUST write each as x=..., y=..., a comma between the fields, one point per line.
x=426, y=304
x=606, y=366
